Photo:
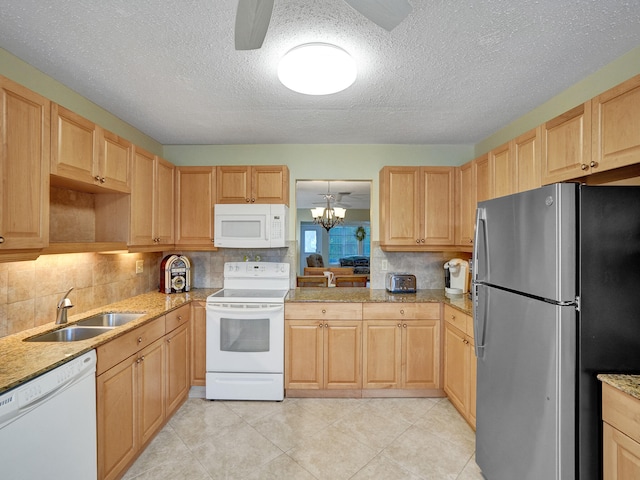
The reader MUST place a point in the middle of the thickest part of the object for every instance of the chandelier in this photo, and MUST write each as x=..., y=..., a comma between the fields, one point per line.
x=328, y=217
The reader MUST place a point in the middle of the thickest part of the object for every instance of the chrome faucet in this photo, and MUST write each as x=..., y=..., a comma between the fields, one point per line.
x=63, y=305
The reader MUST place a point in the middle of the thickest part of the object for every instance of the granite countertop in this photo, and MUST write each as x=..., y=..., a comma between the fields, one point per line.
x=22, y=361
x=364, y=295
x=629, y=384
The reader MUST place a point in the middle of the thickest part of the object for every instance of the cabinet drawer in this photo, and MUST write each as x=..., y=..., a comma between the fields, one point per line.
x=329, y=311
x=401, y=311
x=455, y=318
x=621, y=411
x=177, y=317
x=122, y=347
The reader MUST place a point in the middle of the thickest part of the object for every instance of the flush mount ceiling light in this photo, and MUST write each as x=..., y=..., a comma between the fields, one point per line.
x=317, y=69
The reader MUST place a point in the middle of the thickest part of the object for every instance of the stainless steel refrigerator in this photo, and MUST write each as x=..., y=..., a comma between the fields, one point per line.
x=556, y=289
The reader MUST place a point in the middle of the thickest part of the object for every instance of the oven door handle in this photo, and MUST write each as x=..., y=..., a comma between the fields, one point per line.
x=243, y=307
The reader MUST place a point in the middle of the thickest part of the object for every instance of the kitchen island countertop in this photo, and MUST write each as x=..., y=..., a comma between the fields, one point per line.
x=629, y=384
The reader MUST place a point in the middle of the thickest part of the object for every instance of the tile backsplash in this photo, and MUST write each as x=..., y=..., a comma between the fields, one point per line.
x=30, y=291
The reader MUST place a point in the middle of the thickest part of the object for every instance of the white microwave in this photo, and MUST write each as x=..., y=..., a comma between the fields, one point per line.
x=250, y=225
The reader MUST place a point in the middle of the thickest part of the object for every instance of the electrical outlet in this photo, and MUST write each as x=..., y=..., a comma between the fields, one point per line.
x=384, y=265
x=139, y=266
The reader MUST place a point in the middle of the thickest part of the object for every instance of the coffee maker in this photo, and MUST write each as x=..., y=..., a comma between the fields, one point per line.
x=456, y=277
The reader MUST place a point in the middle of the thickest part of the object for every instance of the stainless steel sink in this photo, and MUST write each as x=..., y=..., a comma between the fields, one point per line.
x=71, y=333
x=112, y=319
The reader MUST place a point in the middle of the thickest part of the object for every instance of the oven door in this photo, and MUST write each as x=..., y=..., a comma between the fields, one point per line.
x=245, y=337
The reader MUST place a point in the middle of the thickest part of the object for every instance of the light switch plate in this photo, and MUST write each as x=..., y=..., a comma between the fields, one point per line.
x=139, y=266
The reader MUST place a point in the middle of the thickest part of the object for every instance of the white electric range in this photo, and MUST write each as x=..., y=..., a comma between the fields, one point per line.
x=245, y=333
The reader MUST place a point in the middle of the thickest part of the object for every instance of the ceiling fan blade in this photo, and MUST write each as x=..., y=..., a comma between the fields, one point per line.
x=252, y=22
x=386, y=13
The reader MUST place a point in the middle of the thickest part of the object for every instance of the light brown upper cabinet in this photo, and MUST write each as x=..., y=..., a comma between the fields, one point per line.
x=252, y=184
x=86, y=157
x=24, y=168
x=152, y=202
x=483, y=183
x=465, y=203
x=525, y=150
x=195, y=192
x=615, y=125
x=566, y=145
x=417, y=207
x=501, y=171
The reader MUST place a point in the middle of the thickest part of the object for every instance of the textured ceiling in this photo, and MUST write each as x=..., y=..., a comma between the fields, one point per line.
x=453, y=72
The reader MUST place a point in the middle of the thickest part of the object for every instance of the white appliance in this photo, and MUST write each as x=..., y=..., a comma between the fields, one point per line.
x=458, y=276
x=48, y=425
x=250, y=225
x=245, y=333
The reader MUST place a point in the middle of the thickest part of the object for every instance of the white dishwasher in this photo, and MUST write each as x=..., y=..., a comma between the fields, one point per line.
x=48, y=425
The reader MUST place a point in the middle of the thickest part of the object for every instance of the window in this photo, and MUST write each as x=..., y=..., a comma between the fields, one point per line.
x=343, y=242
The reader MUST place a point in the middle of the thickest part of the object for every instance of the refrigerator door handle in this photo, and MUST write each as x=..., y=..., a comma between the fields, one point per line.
x=479, y=243
x=480, y=303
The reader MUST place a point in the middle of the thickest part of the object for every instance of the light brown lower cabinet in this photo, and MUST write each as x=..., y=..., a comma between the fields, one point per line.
x=323, y=346
x=198, y=343
x=401, y=346
x=460, y=363
x=621, y=434
x=142, y=377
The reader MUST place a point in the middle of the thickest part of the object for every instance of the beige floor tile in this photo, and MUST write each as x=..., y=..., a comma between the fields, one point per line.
x=290, y=427
x=237, y=455
x=198, y=421
x=384, y=468
x=471, y=471
x=332, y=455
x=408, y=409
x=332, y=409
x=369, y=427
x=280, y=468
x=444, y=421
x=252, y=411
x=428, y=455
x=166, y=457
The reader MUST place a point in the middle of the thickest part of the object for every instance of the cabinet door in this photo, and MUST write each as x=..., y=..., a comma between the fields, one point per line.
x=621, y=455
x=195, y=194
x=465, y=204
x=178, y=368
x=483, y=183
x=526, y=160
x=566, y=145
x=500, y=171
x=304, y=354
x=198, y=344
x=142, y=198
x=24, y=167
x=233, y=184
x=616, y=126
x=151, y=389
x=438, y=189
x=420, y=354
x=342, y=354
x=382, y=354
x=164, y=206
x=115, y=156
x=473, y=376
x=74, y=146
x=117, y=418
x=400, y=211
x=270, y=184
x=455, y=367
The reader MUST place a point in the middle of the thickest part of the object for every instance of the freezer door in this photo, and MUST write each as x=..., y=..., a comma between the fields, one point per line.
x=526, y=388
x=527, y=242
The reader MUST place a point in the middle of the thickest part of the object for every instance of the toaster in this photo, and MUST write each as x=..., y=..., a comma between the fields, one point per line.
x=400, y=283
